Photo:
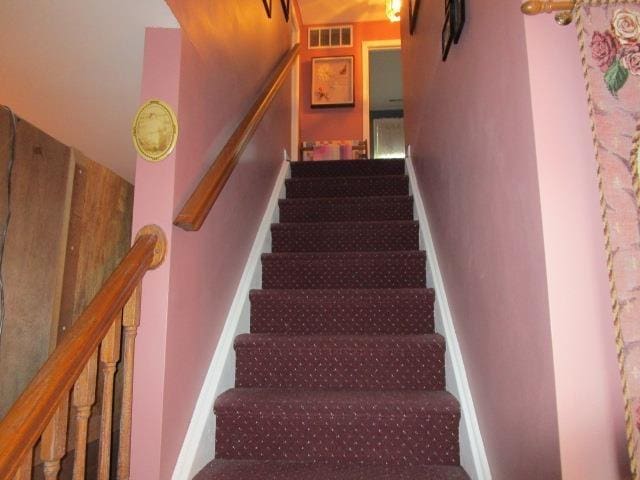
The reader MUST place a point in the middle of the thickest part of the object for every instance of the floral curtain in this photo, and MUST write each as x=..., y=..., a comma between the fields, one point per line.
x=609, y=36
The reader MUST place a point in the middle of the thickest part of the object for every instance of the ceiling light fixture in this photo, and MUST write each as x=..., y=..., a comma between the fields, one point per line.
x=393, y=10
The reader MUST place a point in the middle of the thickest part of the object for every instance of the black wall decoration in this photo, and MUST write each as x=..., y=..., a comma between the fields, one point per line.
x=286, y=7
x=414, y=6
x=448, y=34
x=454, y=18
x=458, y=19
x=267, y=7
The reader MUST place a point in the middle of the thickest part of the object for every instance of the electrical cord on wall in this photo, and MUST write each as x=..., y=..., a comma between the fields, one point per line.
x=5, y=223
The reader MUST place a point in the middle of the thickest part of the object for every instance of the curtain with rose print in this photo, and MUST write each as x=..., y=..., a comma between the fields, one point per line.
x=609, y=35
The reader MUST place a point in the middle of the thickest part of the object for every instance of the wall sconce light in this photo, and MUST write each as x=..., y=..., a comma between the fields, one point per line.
x=393, y=10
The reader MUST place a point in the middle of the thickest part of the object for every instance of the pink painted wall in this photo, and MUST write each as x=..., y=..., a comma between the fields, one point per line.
x=337, y=123
x=588, y=392
x=225, y=53
x=500, y=140
x=469, y=123
x=153, y=204
x=65, y=63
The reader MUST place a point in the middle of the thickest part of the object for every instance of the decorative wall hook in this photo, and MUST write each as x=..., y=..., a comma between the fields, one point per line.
x=564, y=9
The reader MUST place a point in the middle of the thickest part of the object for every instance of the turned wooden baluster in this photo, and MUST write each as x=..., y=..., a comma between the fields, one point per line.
x=109, y=356
x=24, y=472
x=54, y=441
x=130, y=323
x=84, y=396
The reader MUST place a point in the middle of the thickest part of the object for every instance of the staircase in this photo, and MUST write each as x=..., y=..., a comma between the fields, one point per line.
x=341, y=376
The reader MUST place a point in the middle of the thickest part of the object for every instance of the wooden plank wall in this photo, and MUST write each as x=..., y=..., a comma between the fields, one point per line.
x=34, y=254
x=99, y=236
x=70, y=226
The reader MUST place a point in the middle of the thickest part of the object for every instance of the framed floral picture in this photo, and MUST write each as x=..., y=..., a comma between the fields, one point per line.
x=332, y=82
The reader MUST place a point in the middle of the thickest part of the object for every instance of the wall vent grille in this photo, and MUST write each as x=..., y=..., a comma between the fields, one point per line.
x=336, y=36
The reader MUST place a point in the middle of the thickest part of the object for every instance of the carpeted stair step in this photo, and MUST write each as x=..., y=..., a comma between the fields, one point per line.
x=346, y=209
x=409, y=427
x=366, y=362
x=341, y=377
x=404, y=269
x=342, y=312
x=345, y=236
x=266, y=470
x=347, y=186
x=343, y=168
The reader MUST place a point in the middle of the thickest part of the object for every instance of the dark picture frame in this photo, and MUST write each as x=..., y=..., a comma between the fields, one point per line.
x=414, y=8
x=448, y=32
x=286, y=9
x=332, y=82
x=267, y=6
x=458, y=19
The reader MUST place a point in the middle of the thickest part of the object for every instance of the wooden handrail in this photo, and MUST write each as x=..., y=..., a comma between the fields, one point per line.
x=195, y=210
x=31, y=413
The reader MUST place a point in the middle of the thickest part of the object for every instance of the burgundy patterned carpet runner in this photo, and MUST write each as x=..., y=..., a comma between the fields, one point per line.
x=341, y=376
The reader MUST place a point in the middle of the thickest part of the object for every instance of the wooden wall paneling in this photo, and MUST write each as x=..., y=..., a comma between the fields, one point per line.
x=99, y=237
x=34, y=252
x=70, y=226
x=99, y=234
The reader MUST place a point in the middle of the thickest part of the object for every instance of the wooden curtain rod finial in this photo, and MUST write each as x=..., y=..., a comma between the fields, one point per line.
x=534, y=7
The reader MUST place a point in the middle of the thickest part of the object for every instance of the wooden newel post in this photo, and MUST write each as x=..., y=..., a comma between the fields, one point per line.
x=130, y=323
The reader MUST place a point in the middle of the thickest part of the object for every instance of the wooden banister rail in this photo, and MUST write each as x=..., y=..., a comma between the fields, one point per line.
x=195, y=210
x=43, y=406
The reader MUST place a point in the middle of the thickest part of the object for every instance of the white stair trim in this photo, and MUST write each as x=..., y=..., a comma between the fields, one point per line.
x=473, y=457
x=198, y=447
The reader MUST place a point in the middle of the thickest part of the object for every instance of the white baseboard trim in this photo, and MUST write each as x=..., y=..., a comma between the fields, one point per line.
x=473, y=457
x=199, y=444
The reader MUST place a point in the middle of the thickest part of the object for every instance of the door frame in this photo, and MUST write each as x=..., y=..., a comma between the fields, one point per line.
x=367, y=47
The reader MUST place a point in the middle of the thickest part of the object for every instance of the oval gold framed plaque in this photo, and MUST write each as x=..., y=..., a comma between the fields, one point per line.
x=155, y=130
